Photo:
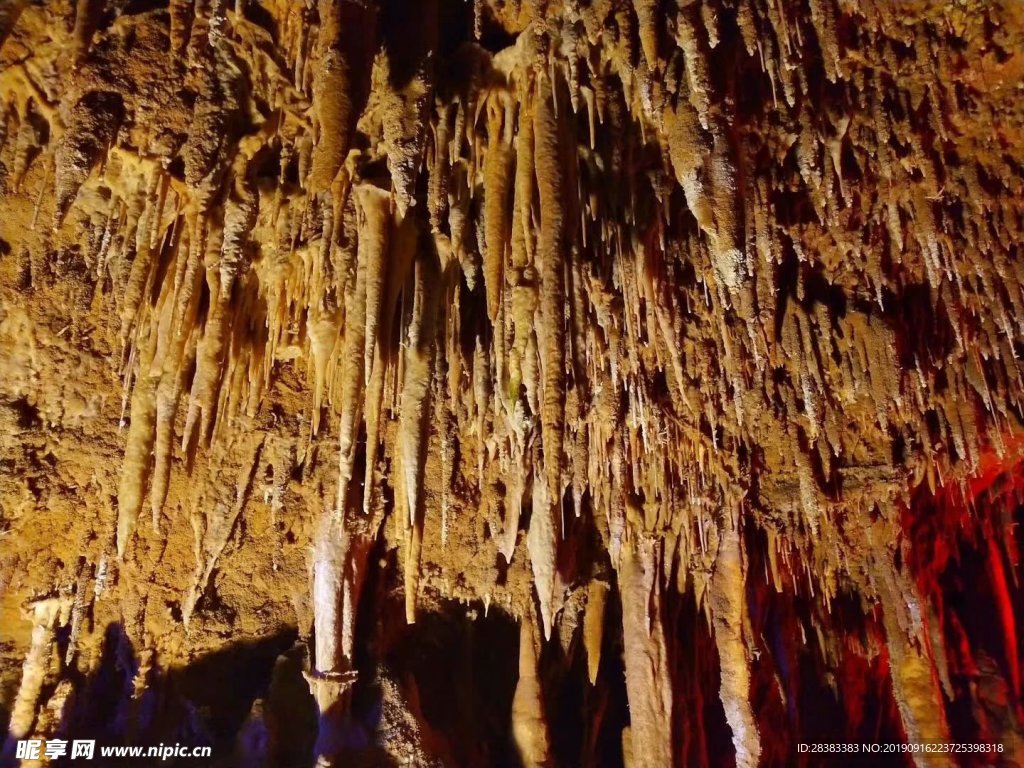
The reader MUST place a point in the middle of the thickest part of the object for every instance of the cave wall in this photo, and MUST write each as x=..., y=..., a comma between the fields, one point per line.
x=675, y=343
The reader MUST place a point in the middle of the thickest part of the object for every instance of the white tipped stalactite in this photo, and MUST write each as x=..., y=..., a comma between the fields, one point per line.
x=323, y=340
x=542, y=544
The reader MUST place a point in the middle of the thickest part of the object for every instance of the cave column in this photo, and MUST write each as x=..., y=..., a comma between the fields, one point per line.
x=915, y=676
x=728, y=613
x=334, y=609
x=648, y=743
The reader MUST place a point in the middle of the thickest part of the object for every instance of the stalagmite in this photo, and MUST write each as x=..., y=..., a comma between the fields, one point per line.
x=915, y=679
x=45, y=614
x=79, y=607
x=593, y=627
x=529, y=726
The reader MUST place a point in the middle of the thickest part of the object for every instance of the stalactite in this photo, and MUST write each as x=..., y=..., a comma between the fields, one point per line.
x=647, y=23
x=89, y=129
x=213, y=527
x=542, y=544
x=373, y=232
x=415, y=406
x=176, y=337
x=497, y=170
x=137, y=463
x=181, y=16
x=215, y=113
x=403, y=251
x=351, y=363
x=209, y=351
x=323, y=337
x=335, y=88
x=85, y=24
x=551, y=254
x=516, y=488
x=405, y=109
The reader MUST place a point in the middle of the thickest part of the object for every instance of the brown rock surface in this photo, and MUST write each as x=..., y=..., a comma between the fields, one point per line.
x=551, y=383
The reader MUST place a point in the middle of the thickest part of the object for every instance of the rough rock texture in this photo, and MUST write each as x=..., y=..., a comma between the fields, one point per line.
x=512, y=382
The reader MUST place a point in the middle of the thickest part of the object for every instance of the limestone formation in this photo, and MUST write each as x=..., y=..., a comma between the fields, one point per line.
x=611, y=382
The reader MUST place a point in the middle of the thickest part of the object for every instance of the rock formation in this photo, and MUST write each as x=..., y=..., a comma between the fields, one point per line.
x=507, y=382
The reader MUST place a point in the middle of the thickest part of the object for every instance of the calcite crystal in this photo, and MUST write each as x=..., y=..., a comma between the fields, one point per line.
x=610, y=382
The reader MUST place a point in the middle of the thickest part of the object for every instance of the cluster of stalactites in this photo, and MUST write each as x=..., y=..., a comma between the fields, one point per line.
x=596, y=204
